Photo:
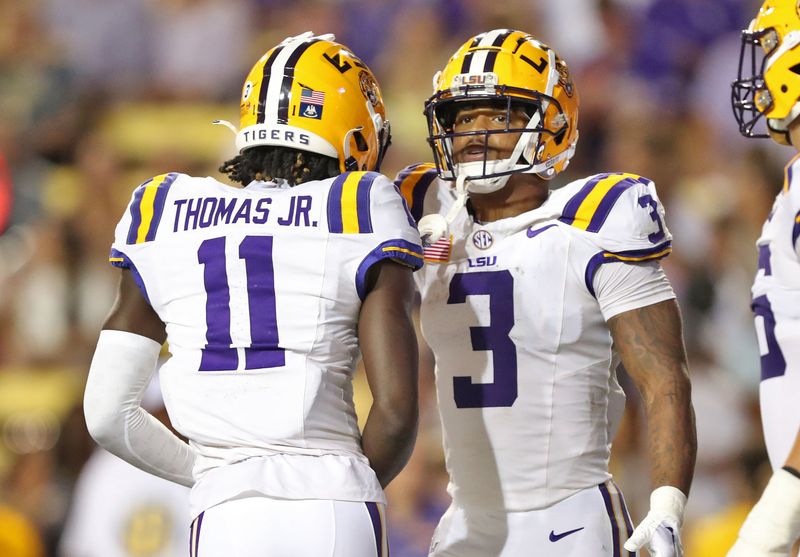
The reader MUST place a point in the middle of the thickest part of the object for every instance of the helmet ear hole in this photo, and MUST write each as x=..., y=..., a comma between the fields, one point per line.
x=361, y=143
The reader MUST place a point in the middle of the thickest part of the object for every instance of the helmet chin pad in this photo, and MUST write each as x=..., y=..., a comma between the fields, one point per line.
x=480, y=184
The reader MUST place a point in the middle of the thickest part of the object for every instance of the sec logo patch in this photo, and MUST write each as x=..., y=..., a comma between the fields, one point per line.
x=482, y=239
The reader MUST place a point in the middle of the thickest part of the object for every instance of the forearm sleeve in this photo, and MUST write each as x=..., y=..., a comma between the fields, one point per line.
x=122, y=366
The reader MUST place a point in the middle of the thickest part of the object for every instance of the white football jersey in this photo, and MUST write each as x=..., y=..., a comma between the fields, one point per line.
x=515, y=312
x=776, y=305
x=260, y=289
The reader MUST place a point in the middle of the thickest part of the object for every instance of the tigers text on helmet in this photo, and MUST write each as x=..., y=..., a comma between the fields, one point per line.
x=770, y=55
x=313, y=94
x=510, y=69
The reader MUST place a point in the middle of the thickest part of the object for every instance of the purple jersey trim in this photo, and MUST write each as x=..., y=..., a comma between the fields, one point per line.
x=136, y=213
x=363, y=211
x=764, y=259
x=335, y=224
x=414, y=259
x=194, y=535
x=650, y=254
x=158, y=205
x=572, y=206
x=420, y=189
x=377, y=526
x=796, y=228
x=612, y=518
x=628, y=523
x=607, y=203
x=119, y=259
x=615, y=533
x=362, y=202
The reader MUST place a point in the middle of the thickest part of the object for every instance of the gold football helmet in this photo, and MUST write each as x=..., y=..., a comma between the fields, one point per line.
x=509, y=69
x=313, y=94
x=771, y=54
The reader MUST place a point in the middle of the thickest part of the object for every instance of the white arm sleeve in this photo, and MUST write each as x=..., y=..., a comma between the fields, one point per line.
x=122, y=366
x=621, y=287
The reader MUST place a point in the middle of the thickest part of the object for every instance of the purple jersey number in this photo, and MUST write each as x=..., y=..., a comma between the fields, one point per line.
x=499, y=286
x=648, y=201
x=263, y=352
x=773, y=364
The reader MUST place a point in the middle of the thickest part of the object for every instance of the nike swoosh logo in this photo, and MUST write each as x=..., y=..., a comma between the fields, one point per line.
x=555, y=537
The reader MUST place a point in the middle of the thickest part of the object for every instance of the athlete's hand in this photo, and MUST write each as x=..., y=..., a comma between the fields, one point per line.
x=774, y=523
x=660, y=531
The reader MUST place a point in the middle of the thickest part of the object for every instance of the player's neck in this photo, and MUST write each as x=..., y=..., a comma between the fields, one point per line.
x=522, y=193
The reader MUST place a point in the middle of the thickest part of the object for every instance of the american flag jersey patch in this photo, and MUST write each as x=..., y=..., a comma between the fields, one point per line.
x=439, y=250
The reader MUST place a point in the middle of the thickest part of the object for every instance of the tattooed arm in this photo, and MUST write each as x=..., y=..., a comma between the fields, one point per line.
x=650, y=342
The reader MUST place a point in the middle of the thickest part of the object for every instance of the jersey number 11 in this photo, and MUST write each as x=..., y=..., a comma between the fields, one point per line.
x=263, y=352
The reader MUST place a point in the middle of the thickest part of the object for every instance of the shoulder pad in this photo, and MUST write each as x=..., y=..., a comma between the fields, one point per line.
x=147, y=206
x=413, y=183
x=349, y=202
x=622, y=212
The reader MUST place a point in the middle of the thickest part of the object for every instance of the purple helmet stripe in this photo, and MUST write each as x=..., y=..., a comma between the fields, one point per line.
x=262, y=93
x=468, y=56
x=288, y=80
x=488, y=66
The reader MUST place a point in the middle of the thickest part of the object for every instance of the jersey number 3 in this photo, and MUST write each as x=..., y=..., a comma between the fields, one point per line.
x=499, y=286
x=263, y=352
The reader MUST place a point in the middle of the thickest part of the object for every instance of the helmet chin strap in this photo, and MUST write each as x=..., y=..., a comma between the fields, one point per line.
x=434, y=227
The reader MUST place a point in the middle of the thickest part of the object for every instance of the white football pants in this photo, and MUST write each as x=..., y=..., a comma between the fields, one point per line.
x=592, y=523
x=265, y=527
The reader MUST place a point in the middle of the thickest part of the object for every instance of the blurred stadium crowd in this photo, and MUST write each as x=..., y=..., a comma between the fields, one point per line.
x=97, y=96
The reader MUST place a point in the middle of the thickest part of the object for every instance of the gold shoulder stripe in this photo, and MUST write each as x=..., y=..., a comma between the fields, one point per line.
x=593, y=203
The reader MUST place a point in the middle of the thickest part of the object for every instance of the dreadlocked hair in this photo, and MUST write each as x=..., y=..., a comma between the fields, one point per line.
x=279, y=163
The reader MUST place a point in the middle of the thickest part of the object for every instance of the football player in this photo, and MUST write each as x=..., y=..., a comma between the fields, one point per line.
x=768, y=86
x=266, y=295
x=529, y=302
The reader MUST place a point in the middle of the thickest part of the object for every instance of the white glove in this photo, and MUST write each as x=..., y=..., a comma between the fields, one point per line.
x=432, y=228
x=660, y=530
x=774, y=523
